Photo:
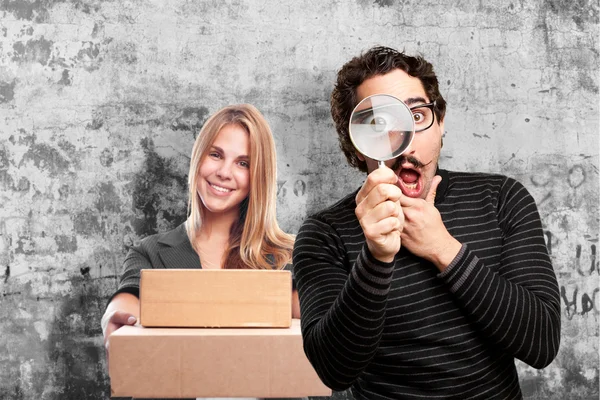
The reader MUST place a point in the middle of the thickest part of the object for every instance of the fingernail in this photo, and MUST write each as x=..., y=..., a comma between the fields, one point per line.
x=131, y=320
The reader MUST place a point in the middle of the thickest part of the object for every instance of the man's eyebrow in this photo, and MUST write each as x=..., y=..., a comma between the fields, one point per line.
x=415, y=100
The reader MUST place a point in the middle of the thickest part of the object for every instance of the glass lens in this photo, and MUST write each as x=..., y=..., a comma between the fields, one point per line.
x=423, y=117
x=381, y=127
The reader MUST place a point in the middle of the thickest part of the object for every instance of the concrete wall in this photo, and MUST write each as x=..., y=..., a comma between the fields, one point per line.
x=100, y=102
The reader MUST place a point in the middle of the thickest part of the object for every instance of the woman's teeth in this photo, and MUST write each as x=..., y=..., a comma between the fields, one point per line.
x=220, y=189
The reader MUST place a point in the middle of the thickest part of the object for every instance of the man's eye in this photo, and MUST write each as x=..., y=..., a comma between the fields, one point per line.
x=418, y=116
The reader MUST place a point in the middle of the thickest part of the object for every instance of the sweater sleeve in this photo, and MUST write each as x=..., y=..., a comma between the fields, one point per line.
x=342, y=305
x=517, y=306
x=129, y=281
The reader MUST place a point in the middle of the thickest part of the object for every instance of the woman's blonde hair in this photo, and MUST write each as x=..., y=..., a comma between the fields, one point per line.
x=255, y=240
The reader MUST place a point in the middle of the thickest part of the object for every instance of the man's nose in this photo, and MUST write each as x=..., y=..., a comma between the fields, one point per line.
x=410, y=148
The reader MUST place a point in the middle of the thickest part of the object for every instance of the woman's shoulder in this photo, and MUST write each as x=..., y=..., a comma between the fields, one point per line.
x=171, y=238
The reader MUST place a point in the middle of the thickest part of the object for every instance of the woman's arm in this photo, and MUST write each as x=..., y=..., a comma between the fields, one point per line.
x=123, y=309
x=124, y=306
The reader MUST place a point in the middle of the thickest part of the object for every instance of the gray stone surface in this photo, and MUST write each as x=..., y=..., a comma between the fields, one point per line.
x=100, y=102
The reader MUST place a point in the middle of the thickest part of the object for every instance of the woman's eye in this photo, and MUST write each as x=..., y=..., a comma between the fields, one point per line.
x=244, y=164
x=214, y=154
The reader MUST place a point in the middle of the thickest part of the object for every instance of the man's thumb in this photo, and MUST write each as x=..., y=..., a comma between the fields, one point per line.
x=433, y=189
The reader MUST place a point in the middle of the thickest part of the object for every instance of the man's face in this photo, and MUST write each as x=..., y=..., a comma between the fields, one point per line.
x=416, y=167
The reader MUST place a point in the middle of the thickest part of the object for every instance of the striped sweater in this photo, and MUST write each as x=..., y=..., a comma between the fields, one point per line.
x=404, y=330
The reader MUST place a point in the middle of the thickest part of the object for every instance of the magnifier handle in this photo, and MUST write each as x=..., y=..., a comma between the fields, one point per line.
x=381, y=164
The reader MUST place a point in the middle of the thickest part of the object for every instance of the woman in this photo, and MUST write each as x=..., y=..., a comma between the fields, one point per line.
x=231, y=212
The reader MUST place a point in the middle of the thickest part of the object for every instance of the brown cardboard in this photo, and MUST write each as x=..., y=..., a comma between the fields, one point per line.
x=192, y=362
x=215, y=298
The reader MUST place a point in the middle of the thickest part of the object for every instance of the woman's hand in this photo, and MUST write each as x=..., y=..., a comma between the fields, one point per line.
x=122, y=310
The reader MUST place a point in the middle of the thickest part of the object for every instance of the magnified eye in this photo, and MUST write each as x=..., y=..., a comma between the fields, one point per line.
x=379, y=123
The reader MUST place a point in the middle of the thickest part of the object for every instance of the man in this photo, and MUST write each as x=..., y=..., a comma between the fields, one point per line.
x=425, y=283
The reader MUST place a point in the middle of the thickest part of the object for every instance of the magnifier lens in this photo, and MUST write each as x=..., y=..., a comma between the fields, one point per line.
x=381, y=127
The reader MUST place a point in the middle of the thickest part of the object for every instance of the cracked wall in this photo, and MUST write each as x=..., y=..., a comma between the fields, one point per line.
x=100, y=102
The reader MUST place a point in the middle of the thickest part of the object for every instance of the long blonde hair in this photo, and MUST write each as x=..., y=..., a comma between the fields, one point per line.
x=255, y=239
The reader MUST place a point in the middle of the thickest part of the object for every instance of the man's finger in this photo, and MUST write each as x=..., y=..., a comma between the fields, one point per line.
x=378, y=195
x=377, y=177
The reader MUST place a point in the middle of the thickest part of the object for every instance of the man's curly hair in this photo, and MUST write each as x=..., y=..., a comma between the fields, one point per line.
x=376, y=61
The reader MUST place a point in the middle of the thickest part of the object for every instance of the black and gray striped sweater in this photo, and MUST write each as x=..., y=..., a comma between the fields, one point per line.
x=405, y=331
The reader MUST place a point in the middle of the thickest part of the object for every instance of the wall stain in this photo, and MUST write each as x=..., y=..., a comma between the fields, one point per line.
x=38, y=10
x=7, y=91
x=34, y=50
x=28, y=10
x=135, y=113
x=159, y=193
x=580, y=11
x=98, y=29
x=47, y=158
x=23, y=185
x=587, y=82
x=384, y=3
x=191, y=119
x=66, y=244
x=107, y=198
x=77, y=319
x=106, y=158
x=6, y=273
x=65, y=78
x=127, y=53
x=88, y=55
x=97, y=120
x=87, y=223
x=574, y=381
x=4, y=158
x=6, y=180
x=25, y=246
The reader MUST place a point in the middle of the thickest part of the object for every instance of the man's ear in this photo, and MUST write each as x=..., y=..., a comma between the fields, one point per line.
x=443, y=133
x=359, y=155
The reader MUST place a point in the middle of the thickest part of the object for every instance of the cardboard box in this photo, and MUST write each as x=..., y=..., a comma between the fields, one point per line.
x=215, y=298
x=189, y=363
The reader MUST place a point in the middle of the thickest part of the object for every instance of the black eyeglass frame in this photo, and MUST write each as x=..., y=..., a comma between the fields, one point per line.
x=431, y=106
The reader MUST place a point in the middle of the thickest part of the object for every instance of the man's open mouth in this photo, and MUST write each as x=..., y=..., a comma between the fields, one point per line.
x=410, y=182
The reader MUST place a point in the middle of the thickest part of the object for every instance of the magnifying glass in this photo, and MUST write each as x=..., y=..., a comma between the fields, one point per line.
x=381, y=127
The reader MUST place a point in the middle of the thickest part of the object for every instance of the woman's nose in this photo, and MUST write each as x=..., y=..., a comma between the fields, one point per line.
x=224, y=171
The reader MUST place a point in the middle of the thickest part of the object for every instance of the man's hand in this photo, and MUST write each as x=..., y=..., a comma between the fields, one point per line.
x=424, y=233
x=379, y=213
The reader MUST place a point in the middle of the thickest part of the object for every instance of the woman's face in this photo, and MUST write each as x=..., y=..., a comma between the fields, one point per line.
x=224, y=175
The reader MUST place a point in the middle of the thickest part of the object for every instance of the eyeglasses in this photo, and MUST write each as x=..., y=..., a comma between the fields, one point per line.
x=423, y=116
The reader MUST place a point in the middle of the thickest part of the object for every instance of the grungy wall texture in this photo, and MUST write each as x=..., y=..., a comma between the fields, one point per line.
x=100, y=102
